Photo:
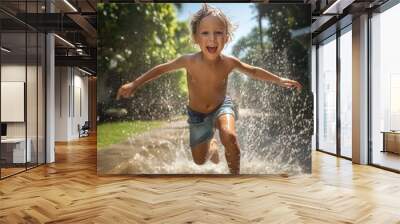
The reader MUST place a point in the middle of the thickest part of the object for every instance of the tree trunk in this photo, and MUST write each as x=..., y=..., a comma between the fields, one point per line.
x=260, y=34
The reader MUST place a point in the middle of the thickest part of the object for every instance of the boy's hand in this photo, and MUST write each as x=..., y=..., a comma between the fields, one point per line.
x=290, y=84
x=126, y=90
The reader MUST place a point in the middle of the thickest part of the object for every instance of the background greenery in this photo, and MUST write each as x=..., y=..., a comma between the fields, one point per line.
x=132, y=39
x=114, y=132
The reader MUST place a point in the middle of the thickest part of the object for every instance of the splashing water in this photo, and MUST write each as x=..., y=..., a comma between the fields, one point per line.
x=166, y=151
x=276, y=134
x=273, y=132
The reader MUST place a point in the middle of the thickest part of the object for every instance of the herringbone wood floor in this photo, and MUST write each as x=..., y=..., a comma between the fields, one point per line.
x=69, y=191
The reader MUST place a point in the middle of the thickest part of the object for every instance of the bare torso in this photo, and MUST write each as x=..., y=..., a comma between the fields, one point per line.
x=207, y=82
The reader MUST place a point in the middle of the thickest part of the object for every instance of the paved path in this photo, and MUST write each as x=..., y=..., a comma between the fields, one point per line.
x=159, y=151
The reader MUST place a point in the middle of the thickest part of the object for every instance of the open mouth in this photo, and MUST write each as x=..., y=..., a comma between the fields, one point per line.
x=212, y=50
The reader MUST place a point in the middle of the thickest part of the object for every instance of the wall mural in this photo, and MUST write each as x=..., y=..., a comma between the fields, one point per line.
x=204, y=89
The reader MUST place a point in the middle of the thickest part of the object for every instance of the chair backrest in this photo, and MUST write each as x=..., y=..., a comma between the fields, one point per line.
x=86, y=125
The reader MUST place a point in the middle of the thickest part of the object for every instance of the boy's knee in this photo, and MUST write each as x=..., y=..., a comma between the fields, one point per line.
x=199, y=160
x=199, y=153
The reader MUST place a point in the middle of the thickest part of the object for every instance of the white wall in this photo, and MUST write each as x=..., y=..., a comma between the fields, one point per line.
x=80, y=102
x=71, y=102
x=13, y=73
x=61, y=103
x=13, y=101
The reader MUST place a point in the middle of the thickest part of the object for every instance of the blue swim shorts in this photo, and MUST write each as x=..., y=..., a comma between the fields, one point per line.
x=201, y=125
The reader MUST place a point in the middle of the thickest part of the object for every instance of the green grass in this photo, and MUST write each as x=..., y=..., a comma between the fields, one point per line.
x=115, y=132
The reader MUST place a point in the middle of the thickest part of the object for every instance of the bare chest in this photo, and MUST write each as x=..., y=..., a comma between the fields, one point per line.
x=208, y=77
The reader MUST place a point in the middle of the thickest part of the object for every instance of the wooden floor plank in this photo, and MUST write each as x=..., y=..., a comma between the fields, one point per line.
x=69, y=191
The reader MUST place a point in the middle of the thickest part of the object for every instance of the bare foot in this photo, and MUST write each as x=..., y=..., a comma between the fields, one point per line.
x=214, y=151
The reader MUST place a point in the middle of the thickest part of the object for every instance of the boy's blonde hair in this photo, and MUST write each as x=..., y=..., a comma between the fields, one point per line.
x=207, y=10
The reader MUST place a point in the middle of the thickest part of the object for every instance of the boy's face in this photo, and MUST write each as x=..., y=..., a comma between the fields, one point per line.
x=211, y=36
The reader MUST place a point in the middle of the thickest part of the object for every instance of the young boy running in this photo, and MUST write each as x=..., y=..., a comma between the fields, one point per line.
x=207, y=74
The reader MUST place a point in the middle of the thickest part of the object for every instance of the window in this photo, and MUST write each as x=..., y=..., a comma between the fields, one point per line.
x=22, y=68
x=327, y=95
x=346, y=93
x=385, y=87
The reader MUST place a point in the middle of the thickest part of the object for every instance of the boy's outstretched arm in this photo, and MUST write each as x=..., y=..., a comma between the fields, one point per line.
x=262, y=74
x=128, y=89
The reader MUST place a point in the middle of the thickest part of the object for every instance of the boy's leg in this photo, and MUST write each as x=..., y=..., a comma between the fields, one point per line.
x=227, y=132
x=205, y=151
